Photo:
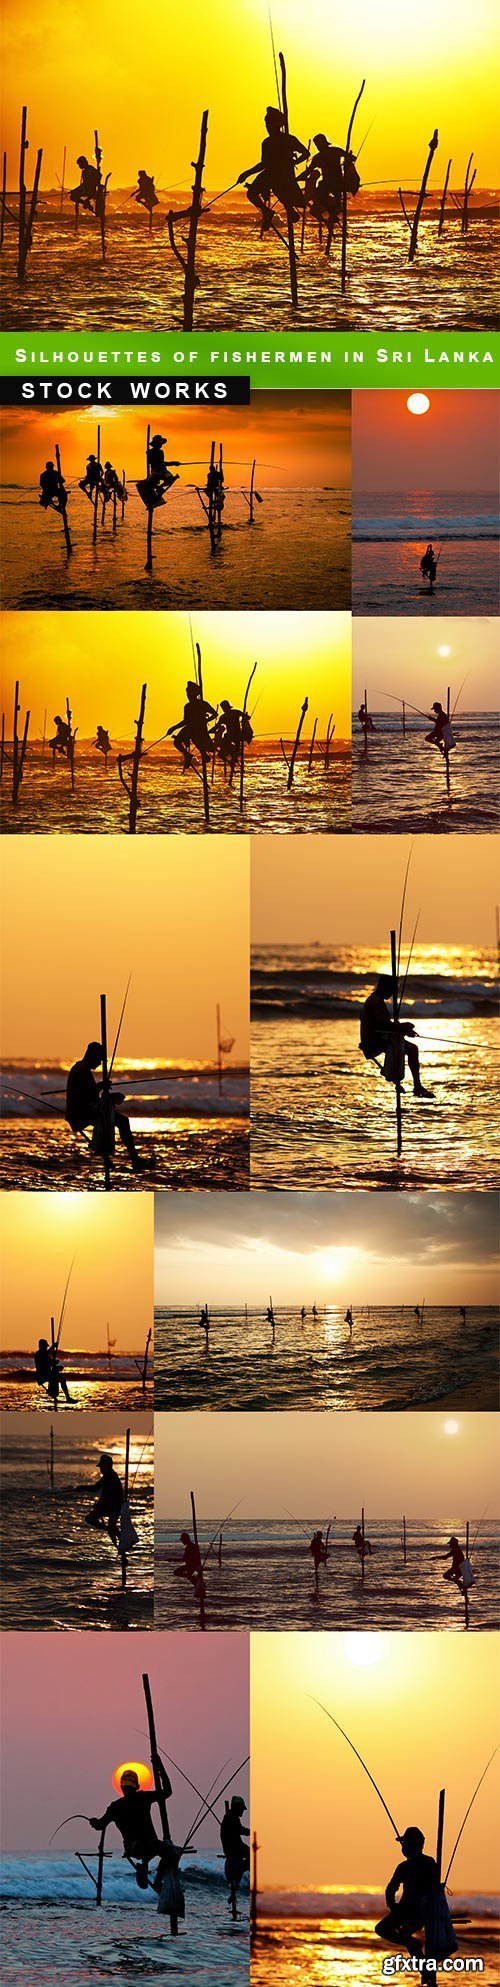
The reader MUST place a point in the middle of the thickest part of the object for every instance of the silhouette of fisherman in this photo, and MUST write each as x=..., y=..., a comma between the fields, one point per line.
x=193, y=727
x=428, y=566
x=441, y=734
x=87, y=192
x=380, y=1035
x=159, y=468
x=102, y=741
x=416, y=1900
x=236, y=1850
x=348, y=1320
x=214, y=486
x=275, y=172
x=84, y=1106
x=49, y=1371
x=365, y=720
x=131, y=1816
x=59, y=743
x=205, y=1321
x=453, y=1552
x=190, y=1567
x=145, y=194
x=324, y=182
x=357, y=1539
x=53, y=490
x=106, y=1511
x=233, y=727
x=112, y=484
x=319, y=1554
x=93, y=477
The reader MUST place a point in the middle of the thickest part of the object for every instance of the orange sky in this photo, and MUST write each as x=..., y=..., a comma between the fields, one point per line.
x=296, y=654
x=297, y=439
x=111, y=1241
x=423, y=1713
x=325, y=1248
x=418, y=659
x=200, y=59
x=336, y=892
x=452, y=447
x=80, y=912
x=321, y=1462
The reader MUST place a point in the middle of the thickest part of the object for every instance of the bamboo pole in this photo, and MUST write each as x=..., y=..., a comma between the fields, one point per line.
x=254, y=1890
x=100, y=1868
x=97, y=484
x=203, y=756
x=2, y=747
x=363, y=1543
x=290, y=763
x=328, y=740
x=311, y=747
x=22, y=193
x=190, y=284
x=127, y=1462
x=343, y=265
x=469, y=182
x=105, y=1092
x=51, y=1464
x=149, y=558
x=211, y=499
x=123, y=494
x=101, y=196
x=404, y=719
x=252, y=485
x=219, y=1554
x=395, y=1015
x=365, y=726
x=440, y=1834
x=273, y=1320
x=202, y=1584
x=18, y=750
x=447, y=754
x=289, y=212
x=158, y=1780
x=114, y=506
x=243, y=716
x=145, y=1361
x=71, y=744
x=220, y=495
x=134, y=784
x=418, y=210
x=443, y=199
x=44, y=732
x=4, y=197
x=53, y=1347
x=63, y=502
x=304, y=209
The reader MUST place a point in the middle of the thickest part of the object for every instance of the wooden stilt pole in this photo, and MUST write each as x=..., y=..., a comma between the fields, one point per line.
x=404, y=719
x=202, y=1585
x=289, y=212
x=252, y=486
x=134, y=784
x=254, y=1890
x=4, y=198
x=158, y=1780
x=447, y=755
x=204, y=772
x=290, y=763
x=395, y=1016
x=328, y=740
x=220, y=494
x=343, y=264
x=311, y=747
x=365, y=727
x=18, y=751
x=101, y=196
x=443, y=199
x=100, y=1868
x=211, y=499
x=44, y=738
x=71, y=744
x=149, y=557
x=404, y=1540
x=125, y=1486
x=22, y=194
x=53, y=1348
x=363, y=1543
x=51, y=1464
x=418, y=210
x=440, y=1834
x=190, y=284
x=145, y=1361
x=469, y=182
x=61, y=204
x=124, y=486
x=242, y=747
x=96, y=491
x=63, y=502
x=114, y=507
x=105, y=1092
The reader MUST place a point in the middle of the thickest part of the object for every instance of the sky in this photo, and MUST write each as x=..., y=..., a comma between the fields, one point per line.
x=326, y=1248
x=200, y=59
x=318, y=890
x=452, y=447
x=297, y=655
x=106, y=1430
x=316, y=1463
x=108, y=1240
x=92, y=1699
x=424, y=1715
x=417, y=660
x=80, y=912
x=297, y=440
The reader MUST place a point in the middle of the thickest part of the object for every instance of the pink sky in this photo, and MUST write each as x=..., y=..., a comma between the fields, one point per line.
x=73, y=1709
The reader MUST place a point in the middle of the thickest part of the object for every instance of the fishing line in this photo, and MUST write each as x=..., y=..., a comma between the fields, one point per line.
x=63, y=1306
x=466, y=1816
x=148, y=1439
x=220, y=1528
x=200, y=1811
x=403, y=900
x=119, y=1028
x=276, y=76
x=344, y=1735
x=222, y=1790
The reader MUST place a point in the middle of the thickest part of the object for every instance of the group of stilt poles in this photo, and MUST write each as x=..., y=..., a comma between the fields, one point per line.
x=132, y=787
x=413, y=225
x=461, y=204
x=62, y=506
x=27, y=202
x=323, y=753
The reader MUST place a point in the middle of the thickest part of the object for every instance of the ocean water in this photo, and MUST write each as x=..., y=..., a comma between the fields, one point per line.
x=399, y=785
x=342, y=1951
x=323, y=1117
x=297, y=554
x=188, y=1131
x=170, y=802
x=93, y=1381
x=51, y=1930
x=244, y=282
x=57, y=1571
x=390, y=532
x=388, y=1363
x=266, y=1579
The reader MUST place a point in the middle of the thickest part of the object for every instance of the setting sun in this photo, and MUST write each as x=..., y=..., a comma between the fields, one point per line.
x=144, y=1774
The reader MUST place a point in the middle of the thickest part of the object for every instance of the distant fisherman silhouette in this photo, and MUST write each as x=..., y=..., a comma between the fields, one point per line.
x=59, y=743
x=159, y=468
x=145, y=191
x=102, y=741
x=380, y=1035
x=52, y=489
x=428, y=566
x=275, y=172
x=357, y=1539
x=84, y=1103
x=365, y=720
x=85, y=195
x=93, y=477
x=453, y=1552
x=418, y=1882
x=319, y=1553
x=190, y=1567
x=441, y=734
x=232, y=1831
x=132, y=1817
x=106, y=1511
x=325, y=179
x=49, y=1372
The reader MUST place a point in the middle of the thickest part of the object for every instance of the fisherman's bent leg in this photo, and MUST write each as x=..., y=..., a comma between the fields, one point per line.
x=413, y=1060
x=127, y=1138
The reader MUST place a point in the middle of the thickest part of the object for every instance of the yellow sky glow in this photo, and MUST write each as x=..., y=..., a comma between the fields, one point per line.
x=351, y=891
x=407, y=658
x=296, y=439
x=111, y=1282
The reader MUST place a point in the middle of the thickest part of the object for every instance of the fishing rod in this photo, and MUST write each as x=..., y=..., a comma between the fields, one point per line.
x=200, y=1811
x=344, y=1735
x=191, y=1783
x=357, y=155
x=222, y=1790
x=119, y=1028
x=466, y=1816
x=273, y=46
x=64, y=1824
x=148, y=1439
x=408, y=963
x=403, y=901
x=220, y=1528
x=63, y=1306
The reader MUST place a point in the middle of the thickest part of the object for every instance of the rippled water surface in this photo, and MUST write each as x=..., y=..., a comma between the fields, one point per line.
x=332, y=1952
x=388, y=1362
x=319, y=802
x=52, y=1932
x=266, y=1577
x=399, y=784
x=58, y=1572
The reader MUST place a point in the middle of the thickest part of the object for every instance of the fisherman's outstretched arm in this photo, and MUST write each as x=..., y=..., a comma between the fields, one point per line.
x=247, y=172
x=101, y=1821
